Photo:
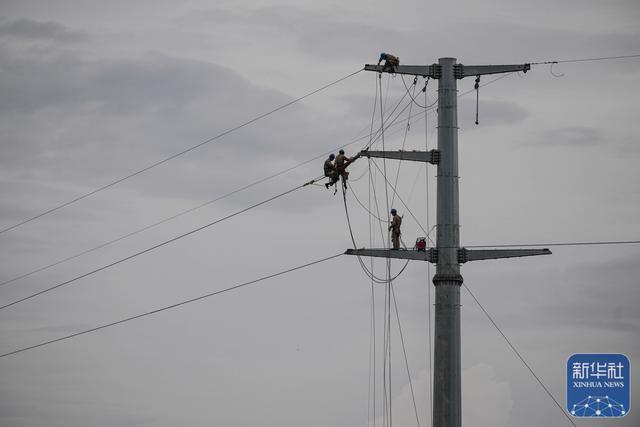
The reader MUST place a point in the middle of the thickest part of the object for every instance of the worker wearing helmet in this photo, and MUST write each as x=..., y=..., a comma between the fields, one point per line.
x=390, y=61
x=330, y=171
x=395, y=228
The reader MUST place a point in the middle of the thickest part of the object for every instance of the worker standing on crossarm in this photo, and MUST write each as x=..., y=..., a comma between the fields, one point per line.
x=395, y=229
x=390, y=61
x=331, y=171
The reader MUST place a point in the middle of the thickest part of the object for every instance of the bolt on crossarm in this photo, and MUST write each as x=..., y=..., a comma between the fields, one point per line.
x=447, y=255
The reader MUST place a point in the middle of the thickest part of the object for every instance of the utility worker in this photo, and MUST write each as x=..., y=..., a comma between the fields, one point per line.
x=395, y=229
x=390, y=61
x=342, y=162
x=330, y=171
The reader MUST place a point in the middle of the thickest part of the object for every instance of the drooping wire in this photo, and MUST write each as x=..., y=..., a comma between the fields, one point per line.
x=154, y=247
x=372, y=137
x=426, y=169
x=402, y=201
x=413, y=185
x=517, y=353
x=379, y=131
x=372, y=337
x=173, y=156
x=404, y=139
x=371, y=214
x=387, y=288
x=604, y=58
x=406, y=359
x=370, y=274
x=584, y=243
x=172, y=306
x=424, y=89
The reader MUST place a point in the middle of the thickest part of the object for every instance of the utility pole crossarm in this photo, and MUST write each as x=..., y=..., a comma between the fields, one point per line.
x=461, y=71
x=430, y=255
x=431, y=156
x=465, y=255
x=433, y=71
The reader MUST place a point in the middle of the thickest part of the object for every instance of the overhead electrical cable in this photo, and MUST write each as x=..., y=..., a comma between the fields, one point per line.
x=172, y=306
x=192, y=209
x=406, y=359
x=364, y=267
x=387, y=353
x=372, y=136
x=603, y=58
x=173, y=156
x=401, y=201
x=166, y=242
x=371, y=398
x=160, y=162
x=517, y=353
x=404, y=139
x=586, y=243
x=428, y=223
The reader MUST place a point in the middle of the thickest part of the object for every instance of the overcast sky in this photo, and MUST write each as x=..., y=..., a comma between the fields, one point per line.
x=93, y=91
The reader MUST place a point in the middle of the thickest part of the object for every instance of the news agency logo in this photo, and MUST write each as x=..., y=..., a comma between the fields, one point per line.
x=598, y=385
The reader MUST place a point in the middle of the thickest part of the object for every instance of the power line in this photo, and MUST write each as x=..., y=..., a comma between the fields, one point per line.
x=375, y=135
x=517, y=353
x=166, y=242
x=603, y=58
x=160, y=162
x=169, y=307
x=593, y=243
x=404, y=351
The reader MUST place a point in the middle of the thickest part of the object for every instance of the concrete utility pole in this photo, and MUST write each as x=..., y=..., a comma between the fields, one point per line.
x=447, y=255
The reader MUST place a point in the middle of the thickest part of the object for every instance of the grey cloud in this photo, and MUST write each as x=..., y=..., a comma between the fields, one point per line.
x=574, y=136
x=62, y=107
x=115, y=110
x=325, y=33
x=343, y=34
x=588, y=287
x=29, y=29
x=65, y=80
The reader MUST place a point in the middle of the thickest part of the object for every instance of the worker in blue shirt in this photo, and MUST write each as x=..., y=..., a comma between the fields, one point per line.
x=390, y=61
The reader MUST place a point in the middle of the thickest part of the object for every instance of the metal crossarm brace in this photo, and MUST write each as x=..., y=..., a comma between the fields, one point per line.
x=465, y=255
x=434, y=71
x=431, y=156
x=430, y=255
x=461, y=71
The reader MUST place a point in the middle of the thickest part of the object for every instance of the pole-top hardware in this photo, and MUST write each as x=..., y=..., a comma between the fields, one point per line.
x=431, y=156
x=434, y=71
